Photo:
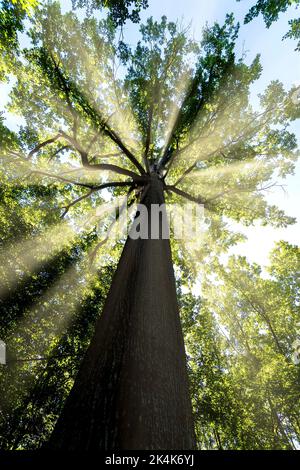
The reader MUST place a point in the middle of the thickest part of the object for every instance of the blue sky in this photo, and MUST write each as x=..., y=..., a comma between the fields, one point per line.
x=279, y=61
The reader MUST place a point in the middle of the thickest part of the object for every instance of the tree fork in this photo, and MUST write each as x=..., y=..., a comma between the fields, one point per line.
x=132, y=391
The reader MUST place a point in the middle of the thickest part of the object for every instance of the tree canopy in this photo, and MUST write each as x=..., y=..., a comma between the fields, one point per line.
x=12, y=15
x=270, y=10
x=118, y=10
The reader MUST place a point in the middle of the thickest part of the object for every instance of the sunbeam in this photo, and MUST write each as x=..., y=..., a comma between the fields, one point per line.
x=50, y=317
x=27, y=256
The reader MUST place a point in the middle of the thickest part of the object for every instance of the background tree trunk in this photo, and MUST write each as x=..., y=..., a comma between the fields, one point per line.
x=131, y=391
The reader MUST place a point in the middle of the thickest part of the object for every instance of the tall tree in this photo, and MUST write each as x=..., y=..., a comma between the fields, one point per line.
x=251, y=367
x=187, y=132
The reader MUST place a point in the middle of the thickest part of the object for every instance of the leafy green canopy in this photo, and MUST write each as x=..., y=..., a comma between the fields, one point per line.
x=119, y=10
x=12, y=14
x=244, y=380
x=270, y=10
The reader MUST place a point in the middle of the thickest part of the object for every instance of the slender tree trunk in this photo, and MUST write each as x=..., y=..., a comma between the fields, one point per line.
x=218, y=439
x=132, y=391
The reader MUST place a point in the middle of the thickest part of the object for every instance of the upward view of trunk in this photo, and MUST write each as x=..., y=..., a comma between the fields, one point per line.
x=131, y=391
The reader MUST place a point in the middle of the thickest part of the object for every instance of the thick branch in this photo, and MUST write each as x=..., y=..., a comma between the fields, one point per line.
x=175, y=190
x=85, y=185
x=148, y=137
x=116, y=139
x=72, y=92
x=61, y=178
x=99, y=166
x=43, y=144
x=68, y=207
x=96, y=188
x=115, y=169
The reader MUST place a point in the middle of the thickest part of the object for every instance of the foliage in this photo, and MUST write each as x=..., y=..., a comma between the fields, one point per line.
x=47, y=314
x=270, y=10
x=245, y=384
x=12, y=15
x=119, y=10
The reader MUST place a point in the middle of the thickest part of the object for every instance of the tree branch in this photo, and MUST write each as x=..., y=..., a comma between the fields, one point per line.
x=66, y=91
x=243, y=189
x=148, y=137
x=94, y=189
x=43, y=144
x=72, y=92
x=98, y=166
x=175, y=190
x=191, y=91
x=115, y=169
x=250, y=131
x=116, y=139
x=68, y=207
x=61, y=149
x=107, y=155
x=86, y=185
x=61, y=178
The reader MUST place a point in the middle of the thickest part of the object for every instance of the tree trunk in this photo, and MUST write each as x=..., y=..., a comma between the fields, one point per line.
x=132, y=391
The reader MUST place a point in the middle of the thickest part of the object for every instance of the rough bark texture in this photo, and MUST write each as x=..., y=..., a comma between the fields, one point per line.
x=131, y=391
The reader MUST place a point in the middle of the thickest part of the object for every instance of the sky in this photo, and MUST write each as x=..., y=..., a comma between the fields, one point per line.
x=279, y=61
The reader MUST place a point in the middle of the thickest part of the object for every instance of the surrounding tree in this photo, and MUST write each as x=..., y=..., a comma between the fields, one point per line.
x=14, y=12
x=12, y=15
x=270, y=10
x=119, y=10
x=175, y=125
x=250, y=384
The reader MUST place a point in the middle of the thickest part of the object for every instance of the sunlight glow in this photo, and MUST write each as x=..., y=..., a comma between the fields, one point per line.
x=27, y=256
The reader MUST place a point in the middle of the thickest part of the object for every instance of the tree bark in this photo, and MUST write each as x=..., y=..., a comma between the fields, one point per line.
x=132, y=391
